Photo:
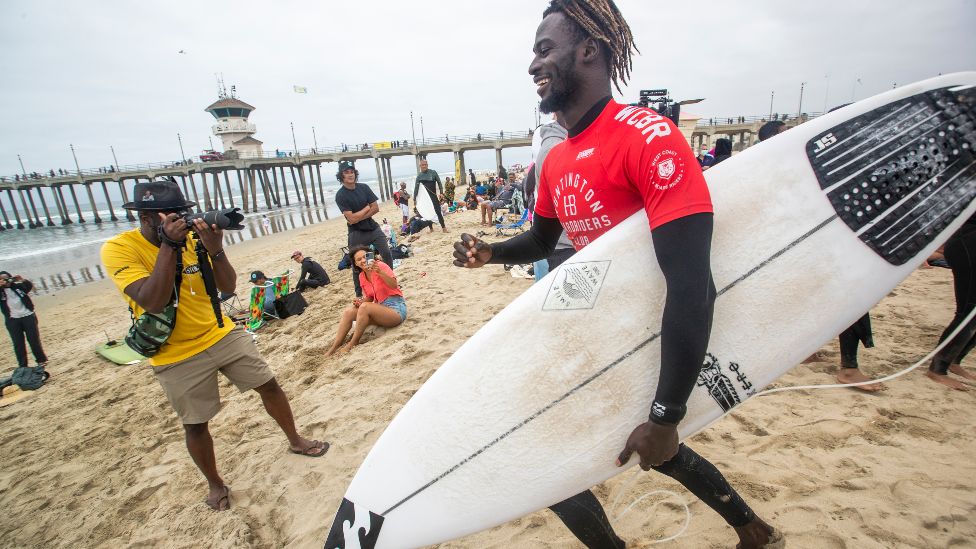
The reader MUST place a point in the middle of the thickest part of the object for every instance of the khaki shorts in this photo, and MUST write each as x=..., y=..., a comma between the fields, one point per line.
x=191, y=384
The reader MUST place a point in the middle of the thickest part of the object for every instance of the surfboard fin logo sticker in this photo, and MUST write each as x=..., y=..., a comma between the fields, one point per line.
x=720, y=386
x=354, y=528
x=576, y=286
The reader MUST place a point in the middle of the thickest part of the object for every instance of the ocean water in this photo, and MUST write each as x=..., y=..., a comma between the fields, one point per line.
x=69, y=255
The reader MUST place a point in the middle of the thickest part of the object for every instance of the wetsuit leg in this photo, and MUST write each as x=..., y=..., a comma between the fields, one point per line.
x=859, y=332
x=848, y=348
x=704, y=480
x=960, y=253
x=437, y=206
x=586, y=519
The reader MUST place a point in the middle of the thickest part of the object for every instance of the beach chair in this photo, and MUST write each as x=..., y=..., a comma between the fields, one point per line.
x=280, y=282
x=501, y=229
x=256, y=308
x=233, y=307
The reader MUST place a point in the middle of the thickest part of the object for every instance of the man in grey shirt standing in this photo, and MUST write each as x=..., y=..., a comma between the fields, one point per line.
x=544, y=139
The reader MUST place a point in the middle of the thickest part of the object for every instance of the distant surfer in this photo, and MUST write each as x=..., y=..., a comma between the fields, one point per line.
x=618, y=159
x=432, y=184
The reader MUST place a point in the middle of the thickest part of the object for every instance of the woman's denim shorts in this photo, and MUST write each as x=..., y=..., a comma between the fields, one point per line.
x=398, y=304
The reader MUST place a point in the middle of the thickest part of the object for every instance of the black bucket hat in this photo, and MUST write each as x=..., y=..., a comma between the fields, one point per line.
x=161, y=195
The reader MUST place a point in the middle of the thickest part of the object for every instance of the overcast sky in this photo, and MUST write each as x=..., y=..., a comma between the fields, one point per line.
x=103, y=73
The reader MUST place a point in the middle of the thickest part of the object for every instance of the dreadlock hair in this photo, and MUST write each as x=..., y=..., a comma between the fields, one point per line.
x=601, y=21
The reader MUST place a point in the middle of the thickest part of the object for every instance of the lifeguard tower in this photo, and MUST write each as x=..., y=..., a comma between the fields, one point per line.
x=232, y=126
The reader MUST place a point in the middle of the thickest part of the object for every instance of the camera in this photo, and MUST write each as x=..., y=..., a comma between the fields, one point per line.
x=370, y=258
x=228, y=218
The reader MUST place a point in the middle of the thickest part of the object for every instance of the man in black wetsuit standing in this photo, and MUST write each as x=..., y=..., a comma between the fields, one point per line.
x=627, y=158
x=432, y=184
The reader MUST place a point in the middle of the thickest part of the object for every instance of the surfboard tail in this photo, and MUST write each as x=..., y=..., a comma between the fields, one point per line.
x=900, y=174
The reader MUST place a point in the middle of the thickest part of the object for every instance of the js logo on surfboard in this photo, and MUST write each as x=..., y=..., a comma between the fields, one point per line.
x=576, y=286
x=824, y=142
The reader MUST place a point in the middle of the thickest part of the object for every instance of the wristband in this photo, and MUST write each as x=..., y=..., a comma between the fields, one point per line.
x=667, y=414
x=217, y=255
x=176, y=245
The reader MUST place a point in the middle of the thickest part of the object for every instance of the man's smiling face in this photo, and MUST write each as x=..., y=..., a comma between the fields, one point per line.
x=553, y=68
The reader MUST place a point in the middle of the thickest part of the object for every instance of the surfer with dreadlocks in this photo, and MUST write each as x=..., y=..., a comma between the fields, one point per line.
x=616, y=160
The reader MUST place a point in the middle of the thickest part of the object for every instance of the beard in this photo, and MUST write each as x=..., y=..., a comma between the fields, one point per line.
x=559, y=96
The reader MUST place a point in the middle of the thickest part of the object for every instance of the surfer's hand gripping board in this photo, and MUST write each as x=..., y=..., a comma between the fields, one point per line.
x=655, y=444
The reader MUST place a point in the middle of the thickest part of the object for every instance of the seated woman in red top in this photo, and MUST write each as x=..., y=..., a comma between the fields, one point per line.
x=382, y=303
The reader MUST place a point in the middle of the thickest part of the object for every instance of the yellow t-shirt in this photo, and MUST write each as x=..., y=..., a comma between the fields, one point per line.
x=129, y=257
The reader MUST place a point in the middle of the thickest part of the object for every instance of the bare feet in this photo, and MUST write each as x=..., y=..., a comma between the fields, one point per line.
x=853, y=375
x=947, y=381
x=219, y=498
x=961, y=372
x=444, y=229
x=757, y=534
x=344, y=349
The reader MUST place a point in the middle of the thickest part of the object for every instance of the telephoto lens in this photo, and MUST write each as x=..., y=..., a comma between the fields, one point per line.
x=229, y=218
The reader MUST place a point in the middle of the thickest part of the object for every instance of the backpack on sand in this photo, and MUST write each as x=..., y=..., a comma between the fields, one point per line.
x=29, y=378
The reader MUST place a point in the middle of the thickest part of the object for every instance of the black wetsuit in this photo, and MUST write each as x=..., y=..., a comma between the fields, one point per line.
x=859, y=332
x=432, y=184
x=960, y=253
x=313, y=275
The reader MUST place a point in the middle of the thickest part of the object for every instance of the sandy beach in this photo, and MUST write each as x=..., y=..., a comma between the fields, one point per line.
x=96, y=458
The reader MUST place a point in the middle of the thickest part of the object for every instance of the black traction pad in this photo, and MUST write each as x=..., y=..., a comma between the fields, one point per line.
x=899, y=174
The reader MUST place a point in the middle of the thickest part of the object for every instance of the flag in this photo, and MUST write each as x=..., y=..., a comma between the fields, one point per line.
x=300, y=89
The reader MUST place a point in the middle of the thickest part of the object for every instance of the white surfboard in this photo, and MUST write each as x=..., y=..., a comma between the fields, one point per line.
x=812, y=228
x=424, y=204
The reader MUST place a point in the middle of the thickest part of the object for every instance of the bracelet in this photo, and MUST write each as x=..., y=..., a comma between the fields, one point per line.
x=666, y=414
x=217, y=255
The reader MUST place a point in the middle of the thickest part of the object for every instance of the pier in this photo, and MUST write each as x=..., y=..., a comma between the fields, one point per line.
x=262, y=179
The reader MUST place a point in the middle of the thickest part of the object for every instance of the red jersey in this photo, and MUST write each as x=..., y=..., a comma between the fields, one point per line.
x=628, y=158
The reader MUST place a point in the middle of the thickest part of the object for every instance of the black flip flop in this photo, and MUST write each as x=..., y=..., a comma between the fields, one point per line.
x=216, y=505
x=305, y=452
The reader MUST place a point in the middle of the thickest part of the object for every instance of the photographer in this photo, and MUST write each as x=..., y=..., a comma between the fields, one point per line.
x=19, y=317
x=143, y=264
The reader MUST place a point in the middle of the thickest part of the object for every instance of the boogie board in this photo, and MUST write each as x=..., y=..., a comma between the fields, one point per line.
x=812, y=228
x=426, y=206
x=119, y=353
